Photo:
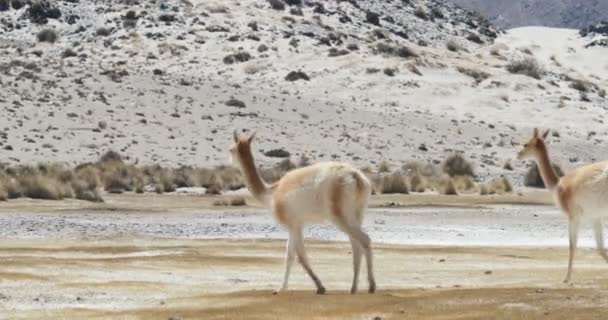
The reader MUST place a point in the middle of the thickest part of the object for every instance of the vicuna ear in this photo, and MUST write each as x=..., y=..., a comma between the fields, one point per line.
x=251, y=137
x=235, y=135
x=546, y=134
x=535, y=134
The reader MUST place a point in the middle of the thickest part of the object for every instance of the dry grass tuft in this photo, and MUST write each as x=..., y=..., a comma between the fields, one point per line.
x=392, y=183
x=233, y=202
x=527, y=66
x=418, y=183
x=446, y=187
x=457, y=165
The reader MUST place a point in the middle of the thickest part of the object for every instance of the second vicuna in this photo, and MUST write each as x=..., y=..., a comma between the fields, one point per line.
x=331, y=191
x=581, y=194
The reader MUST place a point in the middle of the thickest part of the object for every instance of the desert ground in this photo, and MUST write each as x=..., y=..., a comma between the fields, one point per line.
x=180, y=257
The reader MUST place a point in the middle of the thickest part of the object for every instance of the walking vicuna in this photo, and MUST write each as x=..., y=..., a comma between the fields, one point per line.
x=330, y=191
x=581, y=194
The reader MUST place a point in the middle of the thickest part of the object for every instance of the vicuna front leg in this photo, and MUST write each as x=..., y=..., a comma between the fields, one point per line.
x=298, y=240
x=289, y=257
x=573, y=235
x=599, y=238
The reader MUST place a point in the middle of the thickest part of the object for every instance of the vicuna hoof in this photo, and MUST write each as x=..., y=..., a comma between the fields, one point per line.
x=372, y=288
x=320, y=290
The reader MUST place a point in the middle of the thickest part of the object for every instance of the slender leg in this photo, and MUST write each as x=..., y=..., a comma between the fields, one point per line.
x=299, y=247
x=573, y=232
x=599, y=238
x=289, y=257
x=365, y=242
x=356, y=263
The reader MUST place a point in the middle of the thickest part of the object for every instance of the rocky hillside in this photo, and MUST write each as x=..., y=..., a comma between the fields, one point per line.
x=362, y=81
x=574, y=14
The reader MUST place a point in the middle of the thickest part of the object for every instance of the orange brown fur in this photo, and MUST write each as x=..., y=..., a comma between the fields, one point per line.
x=336, y=198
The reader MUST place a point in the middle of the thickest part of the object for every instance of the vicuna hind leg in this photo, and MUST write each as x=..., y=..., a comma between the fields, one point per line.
x=301, y=252
x=599, y=238
x=573, y=235
x=357, y=253
x=355, y=232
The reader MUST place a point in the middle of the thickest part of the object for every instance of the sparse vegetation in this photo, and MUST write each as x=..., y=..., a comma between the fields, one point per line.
x=478, y=75
x=528, y=66
x=391, y=183
x=457, y=165
x=421, y=13
x=398, y=51
x=277, y=4
x=47, y=35
x=233, y=202
x=453, y=46
x=533, y=178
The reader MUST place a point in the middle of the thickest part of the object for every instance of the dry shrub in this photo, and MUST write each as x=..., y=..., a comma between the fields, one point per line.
x=276, y=172
x=500, y=186
x=384, y=167
x=184, y=177
x=391, y=183
x=233, y=202
x=42, y=187
x=230, y=178
x=528, y=66
x=457, y=165
x=237, y=202
x=483, y=190
x=418, y=183
x=423, y=169
x=453, y=46
x=478, y=75
x=533, y=178
x=3, y=192
x=463, y=183
x=446, y=187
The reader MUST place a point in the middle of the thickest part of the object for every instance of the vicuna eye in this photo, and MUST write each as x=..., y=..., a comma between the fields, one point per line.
x=525, y=145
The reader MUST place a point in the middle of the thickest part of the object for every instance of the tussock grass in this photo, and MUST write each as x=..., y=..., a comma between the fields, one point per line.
x=391, y=183
x=527, y=66
x=457, y=165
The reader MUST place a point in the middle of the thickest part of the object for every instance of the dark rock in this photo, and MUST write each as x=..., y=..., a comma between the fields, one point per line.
x=17, y=4
x=68, y=53
x=167, y=18
x=372, y=17
x=235, y=103
x=237, y=57
x=253, y=25
x=297, y=75
x=4, y=5
x=277, y=153
x=277, y=4
x=39, y=12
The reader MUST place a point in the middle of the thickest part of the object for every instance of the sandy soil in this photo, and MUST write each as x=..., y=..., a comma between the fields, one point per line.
x=143, y=268
x=218, y=279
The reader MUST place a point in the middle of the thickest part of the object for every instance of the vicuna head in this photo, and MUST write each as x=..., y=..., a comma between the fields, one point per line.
x=534, y=147
x=241, y=148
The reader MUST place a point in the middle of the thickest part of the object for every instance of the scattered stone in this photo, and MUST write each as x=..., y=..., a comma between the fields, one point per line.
x=277, y=153
x=235, y=103
x=297, y=75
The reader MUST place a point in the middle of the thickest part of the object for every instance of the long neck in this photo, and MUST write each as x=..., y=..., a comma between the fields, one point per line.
x=549, y=176
x=254, y=181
